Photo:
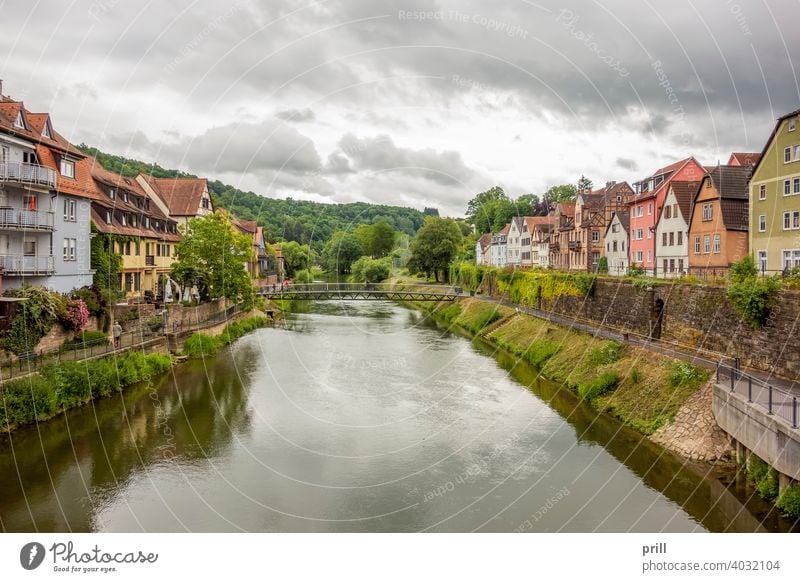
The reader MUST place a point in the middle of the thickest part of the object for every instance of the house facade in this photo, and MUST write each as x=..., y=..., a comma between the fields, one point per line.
x=483, y=249
x=597, y=209
x=645, y=206
x=672, y=230
x=718, y=232
x=499, y=245
x=517, y=232
x=616, y=243
x=179, y=198
x=534, y=229
x=563, y=238
x=39, y=213
x=774, y=194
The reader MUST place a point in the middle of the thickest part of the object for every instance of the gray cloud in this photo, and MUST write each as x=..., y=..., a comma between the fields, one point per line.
x=627, y=164
x=296, y=115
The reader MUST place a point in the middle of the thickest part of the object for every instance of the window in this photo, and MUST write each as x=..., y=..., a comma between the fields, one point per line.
x=123, y=219
x=707, y=244
x=125, y=196
x=665, y=264
x=614, y=246
x=638, y=256
x=672, y=265
x=717, y=243
x=639, y=234
x=787, y=220
x=623, y=246
x=136, y=246
x=614, y=228
x=796, y=219
x=791, y=258
x=668, y=211
x=680, y=237
x=112, y=193
x=762, y=223
x=762, y=260
x=29, y=248
x=796, y=186
x=792, y=124
x=787, y=155
x=672, y=239
x=29, y=202
x=595, y=236
x=109, y=216
x=697, y=245
x=67, y=168
x=69, y=210
x=649, y=208
x=762, y=192
x=708, y=210
x=69, y=249
x=663, y=239
x=649, y=257
x=19, y=121
x=787, y=187
x=680, y=266
x=147, y=222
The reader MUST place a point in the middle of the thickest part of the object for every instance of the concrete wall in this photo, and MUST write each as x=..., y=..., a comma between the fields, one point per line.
x=767, y=436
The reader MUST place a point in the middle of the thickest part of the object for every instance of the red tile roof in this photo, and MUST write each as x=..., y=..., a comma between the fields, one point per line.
x=181, y=195
x=744, y=159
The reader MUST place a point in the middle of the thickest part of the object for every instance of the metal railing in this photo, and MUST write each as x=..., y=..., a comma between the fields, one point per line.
x=27, y=174
x=26, y=219
x=28, y=265
x=775, y=401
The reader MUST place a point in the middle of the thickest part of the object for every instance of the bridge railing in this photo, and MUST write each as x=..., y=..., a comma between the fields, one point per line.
x=761, y=393
x=346, y=287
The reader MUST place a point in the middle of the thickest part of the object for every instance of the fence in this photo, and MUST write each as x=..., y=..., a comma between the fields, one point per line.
x=776, y=401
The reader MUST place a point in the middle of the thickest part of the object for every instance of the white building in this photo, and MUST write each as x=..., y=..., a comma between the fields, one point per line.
x=483, y=250
x=500, y=247
x=534, y=229
x=515, y=236
x=616, y=238
x=672, y=230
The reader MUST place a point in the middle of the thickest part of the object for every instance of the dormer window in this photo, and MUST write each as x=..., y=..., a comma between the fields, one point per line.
x=125, y=196
x=20, y=121
x=67, y=168
x=124, y=219
x=46, y=131
x=109, y=216
x=112, y=193
x=147, y=222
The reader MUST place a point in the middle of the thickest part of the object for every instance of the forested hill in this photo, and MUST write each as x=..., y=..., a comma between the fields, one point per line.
x=302, y=221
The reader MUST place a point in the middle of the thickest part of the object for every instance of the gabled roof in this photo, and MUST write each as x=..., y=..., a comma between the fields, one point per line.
x=624, y=217
x=181, y=195
x=731, y=182
x=744, y=159
x=10, y=110
x=566, y=208
x=505, y=229
x=81, y=185
x=485, y=241
x=772, y=136
x=685, y=193
x=596, y=199
x=538, y=221
x=667, y=171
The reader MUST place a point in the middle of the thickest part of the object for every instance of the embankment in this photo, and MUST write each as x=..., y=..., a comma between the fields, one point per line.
x=645, y=390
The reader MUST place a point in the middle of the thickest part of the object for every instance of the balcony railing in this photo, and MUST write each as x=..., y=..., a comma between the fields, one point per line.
x=150, y=260
x=26, y=265
x=11, y=218
x=574, y=245
x=27, y=174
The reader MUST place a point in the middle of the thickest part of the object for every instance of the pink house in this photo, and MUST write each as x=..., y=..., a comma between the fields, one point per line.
x=645, y=206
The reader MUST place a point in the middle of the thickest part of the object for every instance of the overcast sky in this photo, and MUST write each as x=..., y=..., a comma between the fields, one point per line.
x=415, y=103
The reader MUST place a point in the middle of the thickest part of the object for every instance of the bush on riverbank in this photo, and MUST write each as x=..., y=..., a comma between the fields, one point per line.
x=763, y=477
x=63, y=386
x=199, y=345
x=789, y=500
x=643, y=396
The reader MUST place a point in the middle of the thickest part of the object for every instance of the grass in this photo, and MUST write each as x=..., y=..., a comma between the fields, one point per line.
x=200, y=345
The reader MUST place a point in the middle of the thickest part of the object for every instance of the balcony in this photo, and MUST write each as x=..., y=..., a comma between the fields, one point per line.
x=554, y=247
x=26, y=265
x=150, y=260
x=27, y=174
x=574, y=245
x=13, y=219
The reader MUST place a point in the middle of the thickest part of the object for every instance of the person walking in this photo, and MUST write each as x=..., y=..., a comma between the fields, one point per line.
x=117, y=331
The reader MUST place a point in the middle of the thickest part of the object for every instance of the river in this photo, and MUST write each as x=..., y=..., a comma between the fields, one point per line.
x=353, y=417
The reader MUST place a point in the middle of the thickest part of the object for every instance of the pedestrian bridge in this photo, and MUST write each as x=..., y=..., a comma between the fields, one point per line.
x=358, y=292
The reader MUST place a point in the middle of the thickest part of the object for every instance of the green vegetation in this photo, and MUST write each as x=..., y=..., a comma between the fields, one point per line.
x=685, y=373
x=62, y=386
x=606, y=382
x=751, y=295
x=341, y=252
x=371, y=270
x=435, y=247
x=86, y=338
x=789, y=500
x=296, y=257
x=200, y=345
x=212, y=257
x=34, y=317
x=540, y=351
x=763, y=477
x=605, y=354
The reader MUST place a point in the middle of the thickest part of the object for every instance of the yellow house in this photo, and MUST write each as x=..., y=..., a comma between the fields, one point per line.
x=138, y=230
x=775, y=199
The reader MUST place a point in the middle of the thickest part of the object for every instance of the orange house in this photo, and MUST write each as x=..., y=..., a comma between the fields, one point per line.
x=719, y=222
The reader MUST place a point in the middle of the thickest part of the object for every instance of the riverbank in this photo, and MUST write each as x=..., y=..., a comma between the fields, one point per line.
x=656, y=395
x=62, y=386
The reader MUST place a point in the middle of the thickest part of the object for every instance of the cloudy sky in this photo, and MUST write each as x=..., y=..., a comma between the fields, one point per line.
x=408, y=102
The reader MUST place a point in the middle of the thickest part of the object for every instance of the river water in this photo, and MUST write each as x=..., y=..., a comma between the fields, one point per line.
x=352, y=417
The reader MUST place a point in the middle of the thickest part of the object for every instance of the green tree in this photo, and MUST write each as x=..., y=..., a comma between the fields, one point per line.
x=383, y=238
x=341, y=252
x=527, y=205
x=435, y=246
x=371, y=270
x=296, y=257
x=584, y=184
x=106, y=264
x=212, y=256
x=562, y=193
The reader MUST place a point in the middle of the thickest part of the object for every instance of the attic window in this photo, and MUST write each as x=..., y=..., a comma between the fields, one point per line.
x=619, y=198
x=46, y=131
x=124, y=219
x=125, y=196
x=67, y=168
x=19, y=121
x=112, y=193
x=109, y=216
x=792, y=124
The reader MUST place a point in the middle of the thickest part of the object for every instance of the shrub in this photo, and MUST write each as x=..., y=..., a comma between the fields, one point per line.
x=200, y=345
x=602, y=265
x=764, y=478
x=743, y=269
x=754, y=297
x=540, y=351
x=605, y=382
x=86, y=338
x=789, y=500
x=635, y=376
x=605, y=354
x=303, y=276
x=33, y=318
x=636, y=270
x=26, y=400
x=683, y=373
x=370, y=270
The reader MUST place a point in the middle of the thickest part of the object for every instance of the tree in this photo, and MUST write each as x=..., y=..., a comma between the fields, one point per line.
x=435, y=246
x=584, y=184
x=562, y=193
x=383, y=239
x=341, y=252
x=430, y=211
x=296, y=257
x=527, y=205
x=371, y=270
x=212, y=257
x=488, y=209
